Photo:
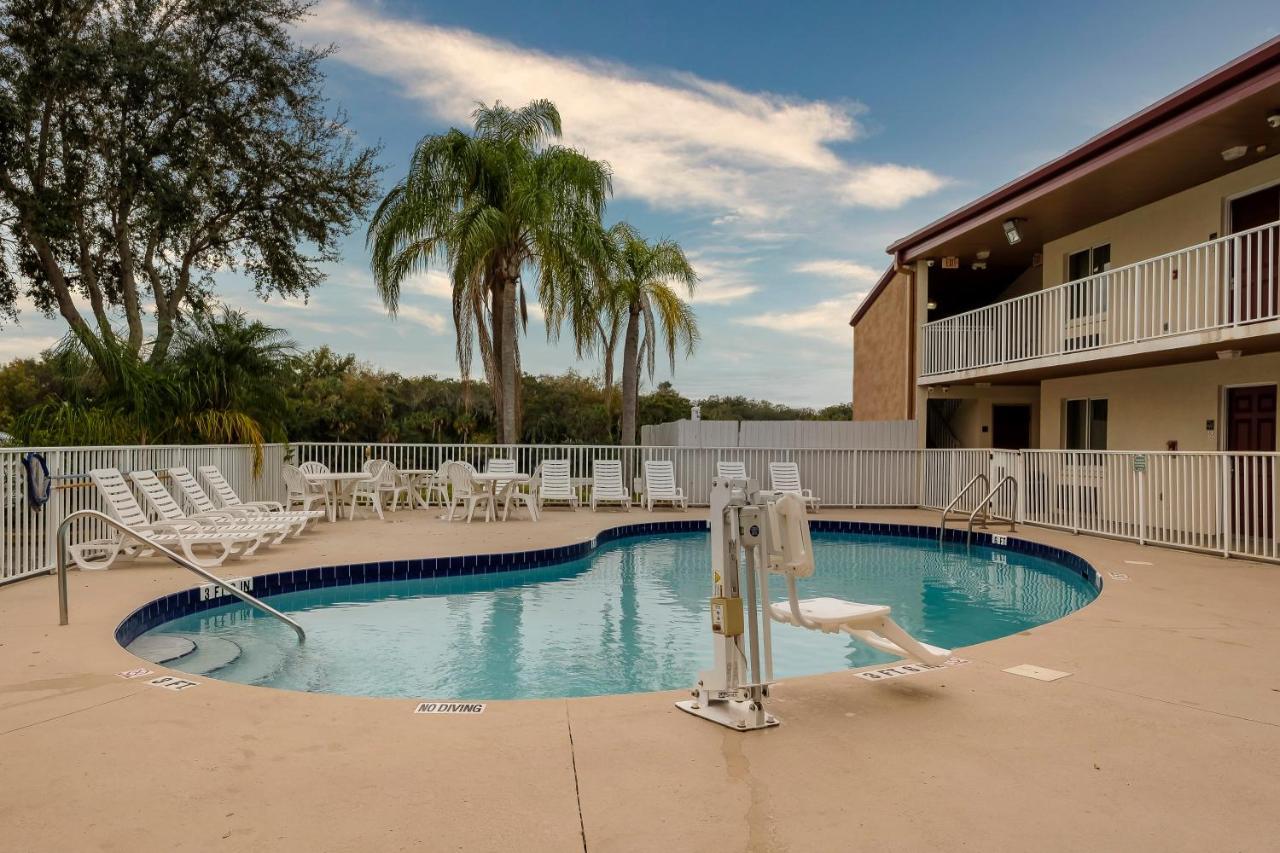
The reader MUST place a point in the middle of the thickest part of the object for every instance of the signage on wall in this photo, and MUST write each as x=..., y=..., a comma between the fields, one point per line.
x=1140, y=462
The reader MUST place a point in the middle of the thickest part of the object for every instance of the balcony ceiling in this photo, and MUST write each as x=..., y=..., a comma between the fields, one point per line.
x=1182, y=149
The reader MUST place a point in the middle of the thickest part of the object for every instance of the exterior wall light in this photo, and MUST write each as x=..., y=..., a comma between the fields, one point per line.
x=1011, y=232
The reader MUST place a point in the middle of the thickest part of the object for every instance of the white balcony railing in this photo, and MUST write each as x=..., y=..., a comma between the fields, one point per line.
x=1230, y=281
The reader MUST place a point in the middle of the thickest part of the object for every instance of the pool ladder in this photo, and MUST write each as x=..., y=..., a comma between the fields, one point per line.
x=248, y=599
x=984, y=505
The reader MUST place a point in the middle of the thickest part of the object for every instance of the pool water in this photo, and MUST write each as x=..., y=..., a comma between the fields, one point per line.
x=631, y=616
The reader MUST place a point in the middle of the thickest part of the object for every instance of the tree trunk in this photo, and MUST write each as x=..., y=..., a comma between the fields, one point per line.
x=510, y=330
x=631, y=376
x=493, y=367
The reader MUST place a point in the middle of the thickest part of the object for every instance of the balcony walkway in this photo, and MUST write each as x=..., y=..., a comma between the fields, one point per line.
x=1178, y=306
x=1165, y=737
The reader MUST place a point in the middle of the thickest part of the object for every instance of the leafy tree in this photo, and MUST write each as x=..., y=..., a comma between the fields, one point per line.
x=147, y=144
x=221, y=386
x=492, y=205
x=640, y=287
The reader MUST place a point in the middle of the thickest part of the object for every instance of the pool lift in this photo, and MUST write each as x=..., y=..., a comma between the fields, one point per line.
x=772, y=530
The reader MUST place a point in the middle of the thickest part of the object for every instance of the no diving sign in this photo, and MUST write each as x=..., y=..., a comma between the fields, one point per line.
x=449, y=708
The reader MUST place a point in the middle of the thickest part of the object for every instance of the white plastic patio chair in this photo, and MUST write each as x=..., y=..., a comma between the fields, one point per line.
x=467, y=491
x=606, y=484
x=200, y=503
x=181, y=535
x=785, y=477
x=555, y=485
x=731, y=470
x=166, y=508
x=313, y=468
x=522, y=493
x=384, y=482
x=660, y=484
x=299, y=491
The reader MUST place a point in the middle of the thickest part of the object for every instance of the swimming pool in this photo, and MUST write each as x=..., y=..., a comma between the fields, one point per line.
x=628, y=616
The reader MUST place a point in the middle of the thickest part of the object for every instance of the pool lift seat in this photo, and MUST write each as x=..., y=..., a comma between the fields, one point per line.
x=792, y=557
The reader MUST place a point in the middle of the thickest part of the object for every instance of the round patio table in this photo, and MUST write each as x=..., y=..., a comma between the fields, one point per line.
x=335, y=484
x=415, y=479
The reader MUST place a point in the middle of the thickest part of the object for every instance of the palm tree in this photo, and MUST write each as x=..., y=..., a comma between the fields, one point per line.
x=640, y=291
x=493, y=205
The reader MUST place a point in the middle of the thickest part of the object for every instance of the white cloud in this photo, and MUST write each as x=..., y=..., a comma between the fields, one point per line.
x=888, y=186
x=435, y=283
x=23, y=346
x=838, y=268
x=828, y=319
x=674, y=140
x=720, y=283
x=414, y=314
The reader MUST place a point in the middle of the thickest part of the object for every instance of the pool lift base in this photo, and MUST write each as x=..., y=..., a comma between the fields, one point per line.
x=772, y=530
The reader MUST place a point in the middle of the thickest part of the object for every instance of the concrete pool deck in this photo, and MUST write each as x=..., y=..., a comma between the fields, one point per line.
x=1166, y=736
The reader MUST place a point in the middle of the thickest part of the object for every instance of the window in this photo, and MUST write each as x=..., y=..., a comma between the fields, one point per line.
x=1089, y=297
x=1086, y=424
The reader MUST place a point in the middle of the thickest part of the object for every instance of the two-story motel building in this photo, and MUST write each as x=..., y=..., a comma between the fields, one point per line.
x=1122, y=296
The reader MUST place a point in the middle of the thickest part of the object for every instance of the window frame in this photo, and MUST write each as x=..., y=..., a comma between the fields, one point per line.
x=1090, y=420
x=1076, y=297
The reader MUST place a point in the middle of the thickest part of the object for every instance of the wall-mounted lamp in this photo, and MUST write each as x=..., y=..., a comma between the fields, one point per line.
x=1011, y=232
x=932, y=305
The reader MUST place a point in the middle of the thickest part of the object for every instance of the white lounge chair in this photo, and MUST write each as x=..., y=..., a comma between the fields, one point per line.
x=606, y=484
x=179, y=535
x=201, y=504
x=731, y=470
x=167, y=509
x=227, y=496
x=660, y=485
x=785, y=477
x=467, y=491
x=555, y=485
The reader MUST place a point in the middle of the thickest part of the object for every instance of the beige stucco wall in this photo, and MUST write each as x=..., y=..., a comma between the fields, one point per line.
x=1175, y=222
x=882, y=354
x=975, y=410
x=1148, y=407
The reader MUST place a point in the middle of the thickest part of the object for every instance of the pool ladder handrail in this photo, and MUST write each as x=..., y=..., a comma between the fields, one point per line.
x=987, y=501
x=942, y=525
x=248, y=599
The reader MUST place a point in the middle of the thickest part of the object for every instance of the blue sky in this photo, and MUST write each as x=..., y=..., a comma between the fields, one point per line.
x=784, y=147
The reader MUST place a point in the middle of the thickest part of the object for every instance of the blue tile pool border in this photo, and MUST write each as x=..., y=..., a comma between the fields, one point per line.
x=186, y=602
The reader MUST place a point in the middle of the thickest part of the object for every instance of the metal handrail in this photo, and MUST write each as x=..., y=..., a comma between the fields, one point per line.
x=63, y=617
x=986, y=502
x=942, y=525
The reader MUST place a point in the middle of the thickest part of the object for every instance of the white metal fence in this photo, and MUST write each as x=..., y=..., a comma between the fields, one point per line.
x=1225, y=282
x=27, y=538
x=1223, y=503
x=832, y=435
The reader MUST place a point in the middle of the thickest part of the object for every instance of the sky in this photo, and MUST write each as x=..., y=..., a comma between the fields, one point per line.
x=783, y=146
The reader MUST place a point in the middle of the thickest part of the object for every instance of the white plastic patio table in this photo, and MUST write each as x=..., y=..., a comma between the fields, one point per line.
x=491, y=479
x=335, y=483
x=415, y=479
